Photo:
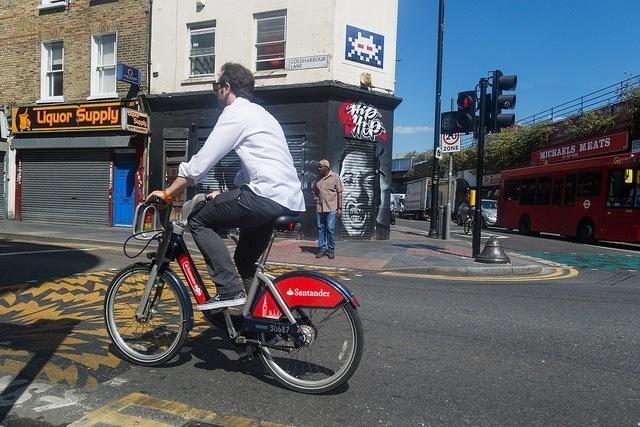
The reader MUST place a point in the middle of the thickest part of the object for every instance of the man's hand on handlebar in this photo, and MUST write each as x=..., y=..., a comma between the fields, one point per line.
x=157, y=195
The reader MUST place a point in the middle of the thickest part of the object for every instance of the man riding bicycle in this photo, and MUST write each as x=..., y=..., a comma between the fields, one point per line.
x=268, y=185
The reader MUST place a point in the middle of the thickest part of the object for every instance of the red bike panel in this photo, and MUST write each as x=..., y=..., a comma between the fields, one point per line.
x=298, y=291
x=191, y=274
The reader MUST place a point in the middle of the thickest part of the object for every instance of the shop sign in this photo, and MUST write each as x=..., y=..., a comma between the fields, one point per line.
x=59, y=118
x=135, y=121
x=127, y=74
x=362, y=121
x=599, y=146
x=492, y=180
x=307, y=62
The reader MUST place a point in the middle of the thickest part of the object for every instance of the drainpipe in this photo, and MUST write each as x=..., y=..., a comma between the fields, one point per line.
x=145, y=179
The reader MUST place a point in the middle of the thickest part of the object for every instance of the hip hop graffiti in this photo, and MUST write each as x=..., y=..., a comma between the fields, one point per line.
x=362, y=121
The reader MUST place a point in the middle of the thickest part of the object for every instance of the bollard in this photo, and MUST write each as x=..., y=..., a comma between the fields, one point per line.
x=446, y=223
x=440, y=222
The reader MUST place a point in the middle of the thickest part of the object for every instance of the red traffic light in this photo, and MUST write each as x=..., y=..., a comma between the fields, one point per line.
x=467, y=101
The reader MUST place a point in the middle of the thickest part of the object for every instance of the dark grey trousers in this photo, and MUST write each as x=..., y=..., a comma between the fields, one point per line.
x=239, y=208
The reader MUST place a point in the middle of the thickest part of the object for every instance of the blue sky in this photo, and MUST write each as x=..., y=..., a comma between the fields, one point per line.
x=560, y=50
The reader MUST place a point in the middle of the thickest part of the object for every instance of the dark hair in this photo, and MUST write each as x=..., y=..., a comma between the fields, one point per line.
x=240, y=79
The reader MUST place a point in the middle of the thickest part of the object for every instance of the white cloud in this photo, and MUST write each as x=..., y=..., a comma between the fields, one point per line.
x=412, y=129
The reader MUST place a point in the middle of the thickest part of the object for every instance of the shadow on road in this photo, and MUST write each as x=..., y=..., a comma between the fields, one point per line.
x=40, y=341
x=34, y=263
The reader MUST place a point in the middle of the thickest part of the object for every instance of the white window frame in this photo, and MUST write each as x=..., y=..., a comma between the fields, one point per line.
x=94, y=65
x=44, y=71
x=263, y=16
x=200, y=28
x=52, y=4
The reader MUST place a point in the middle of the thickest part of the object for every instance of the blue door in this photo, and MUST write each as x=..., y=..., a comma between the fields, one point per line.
x=123, y=182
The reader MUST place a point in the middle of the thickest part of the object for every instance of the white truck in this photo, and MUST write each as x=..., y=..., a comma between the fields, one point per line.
x=417, y=201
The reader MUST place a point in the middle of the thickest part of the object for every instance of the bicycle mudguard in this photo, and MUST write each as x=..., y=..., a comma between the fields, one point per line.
x=303, y=289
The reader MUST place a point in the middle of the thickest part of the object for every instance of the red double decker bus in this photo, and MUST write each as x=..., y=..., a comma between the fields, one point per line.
x=593, y=199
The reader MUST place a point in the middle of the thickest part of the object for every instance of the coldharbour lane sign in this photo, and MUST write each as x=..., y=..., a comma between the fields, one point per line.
x=450, y=143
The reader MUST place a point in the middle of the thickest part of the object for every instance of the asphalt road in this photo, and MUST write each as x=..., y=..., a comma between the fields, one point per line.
x=560, y=352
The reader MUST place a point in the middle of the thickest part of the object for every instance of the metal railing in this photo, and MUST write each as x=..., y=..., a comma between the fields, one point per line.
x=604, y=97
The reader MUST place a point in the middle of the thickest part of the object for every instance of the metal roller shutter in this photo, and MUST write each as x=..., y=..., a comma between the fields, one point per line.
x=221, y=177
x=3, y=200
x=66, y=186
x=357, y=171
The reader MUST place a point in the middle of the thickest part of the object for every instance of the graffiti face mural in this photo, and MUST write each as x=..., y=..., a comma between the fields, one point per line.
x=358, y=178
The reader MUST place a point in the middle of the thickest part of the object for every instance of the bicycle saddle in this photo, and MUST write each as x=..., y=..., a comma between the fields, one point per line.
x=287, y=219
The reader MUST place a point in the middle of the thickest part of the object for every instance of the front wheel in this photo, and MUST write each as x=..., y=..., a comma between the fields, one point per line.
x=467, y=226
x=329, y=355
x=158, y=337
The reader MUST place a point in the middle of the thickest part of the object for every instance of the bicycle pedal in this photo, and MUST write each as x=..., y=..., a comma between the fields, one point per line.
x=249, y=352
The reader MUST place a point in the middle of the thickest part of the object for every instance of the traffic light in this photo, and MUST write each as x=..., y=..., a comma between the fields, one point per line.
x=501, y=102
x=461, y=121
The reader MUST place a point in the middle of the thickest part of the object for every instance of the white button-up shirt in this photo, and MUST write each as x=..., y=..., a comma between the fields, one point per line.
x=258, y=139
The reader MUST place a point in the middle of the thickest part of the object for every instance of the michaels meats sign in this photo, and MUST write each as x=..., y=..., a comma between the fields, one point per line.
x=362, y=121
x=599, y=146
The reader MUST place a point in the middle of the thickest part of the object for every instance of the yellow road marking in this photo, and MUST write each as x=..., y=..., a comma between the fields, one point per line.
x=111, y=414
x=559, y=273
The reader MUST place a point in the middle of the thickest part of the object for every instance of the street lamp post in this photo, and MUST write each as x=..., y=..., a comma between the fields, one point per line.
x=433, y=226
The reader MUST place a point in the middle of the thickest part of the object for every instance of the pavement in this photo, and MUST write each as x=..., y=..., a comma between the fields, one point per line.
x=408, y=250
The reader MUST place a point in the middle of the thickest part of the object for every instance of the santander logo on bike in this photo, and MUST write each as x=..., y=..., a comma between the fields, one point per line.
x=302, y=293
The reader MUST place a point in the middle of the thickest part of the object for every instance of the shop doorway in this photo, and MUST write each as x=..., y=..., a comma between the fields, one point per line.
x=124, y=170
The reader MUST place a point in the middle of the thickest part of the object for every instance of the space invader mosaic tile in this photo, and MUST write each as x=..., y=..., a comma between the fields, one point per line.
x=364, y=47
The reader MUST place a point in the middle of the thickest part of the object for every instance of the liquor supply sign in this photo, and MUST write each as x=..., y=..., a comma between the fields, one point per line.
x=61, y=118
x=599, y=146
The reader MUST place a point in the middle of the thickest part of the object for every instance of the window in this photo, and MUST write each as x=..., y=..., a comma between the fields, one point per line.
x=570, y=190
x=557, y=192
x=202, y=50
x=271, y=29
x=103, y=66
x=512, y=189
x=588, y=184
x=543, y=195
x=52, y=71
x=528, y=192
x=50, y=4
x=621, y=193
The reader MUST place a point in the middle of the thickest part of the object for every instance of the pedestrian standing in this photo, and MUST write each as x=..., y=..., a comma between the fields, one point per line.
x=328, y=197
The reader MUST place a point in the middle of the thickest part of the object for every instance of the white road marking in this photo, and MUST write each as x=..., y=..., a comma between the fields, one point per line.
x=49, y=251
x=116, y=382
x=70, y=398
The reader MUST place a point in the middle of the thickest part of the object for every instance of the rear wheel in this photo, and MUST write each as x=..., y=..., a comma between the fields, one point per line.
x=586, y=231
x=329, y=355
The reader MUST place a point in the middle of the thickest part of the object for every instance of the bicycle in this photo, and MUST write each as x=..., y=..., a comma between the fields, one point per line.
x=285, y=320
x=468, y=223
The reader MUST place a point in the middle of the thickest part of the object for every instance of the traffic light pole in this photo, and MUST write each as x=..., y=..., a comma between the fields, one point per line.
x=433, y=224
x=477, y=214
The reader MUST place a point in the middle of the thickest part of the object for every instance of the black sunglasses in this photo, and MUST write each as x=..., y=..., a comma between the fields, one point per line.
x=217, y=86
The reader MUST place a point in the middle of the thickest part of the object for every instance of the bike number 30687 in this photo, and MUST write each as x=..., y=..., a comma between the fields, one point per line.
x=279, y=329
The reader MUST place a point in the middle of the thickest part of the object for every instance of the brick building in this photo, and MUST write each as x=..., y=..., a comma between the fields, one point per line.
x=63, y=99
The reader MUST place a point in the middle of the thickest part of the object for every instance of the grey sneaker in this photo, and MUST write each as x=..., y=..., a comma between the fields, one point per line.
x=222, y=301
x=331, y=255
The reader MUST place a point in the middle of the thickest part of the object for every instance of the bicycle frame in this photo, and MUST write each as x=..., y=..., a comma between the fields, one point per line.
x=172, y=246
